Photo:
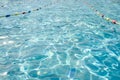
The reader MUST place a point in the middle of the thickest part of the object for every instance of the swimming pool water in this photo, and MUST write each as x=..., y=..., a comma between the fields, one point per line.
x=63, y=41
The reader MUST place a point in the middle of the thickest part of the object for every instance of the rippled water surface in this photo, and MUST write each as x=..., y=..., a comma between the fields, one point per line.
x=65, y=40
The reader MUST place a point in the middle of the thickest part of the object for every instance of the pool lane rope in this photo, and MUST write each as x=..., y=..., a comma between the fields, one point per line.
x=29, y=11
x=102, y=15
x=37, y=9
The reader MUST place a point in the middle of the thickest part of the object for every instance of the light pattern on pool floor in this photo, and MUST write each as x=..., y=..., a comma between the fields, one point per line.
x=63, y=41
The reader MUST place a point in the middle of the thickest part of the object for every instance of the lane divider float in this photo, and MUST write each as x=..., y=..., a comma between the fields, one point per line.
x=102, y=15
x=29, y=11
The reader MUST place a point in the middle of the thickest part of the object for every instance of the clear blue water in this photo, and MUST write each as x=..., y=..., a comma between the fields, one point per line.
x=64, y=41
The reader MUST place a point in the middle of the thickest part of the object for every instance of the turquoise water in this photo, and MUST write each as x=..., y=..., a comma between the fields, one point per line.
x=63, y=41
